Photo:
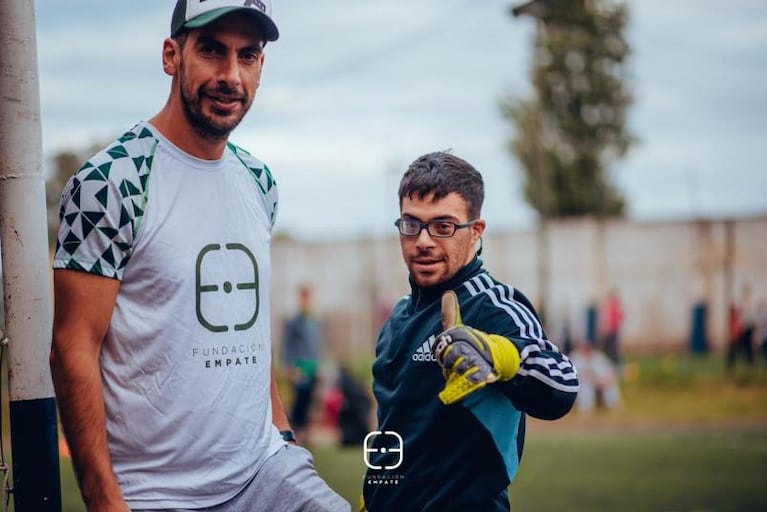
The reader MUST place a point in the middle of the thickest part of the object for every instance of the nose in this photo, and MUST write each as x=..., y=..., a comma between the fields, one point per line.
x=229, y=70
x=424, y=239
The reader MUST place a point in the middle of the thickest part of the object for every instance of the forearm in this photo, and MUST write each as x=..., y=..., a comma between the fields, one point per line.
x=79, y=326
x=279, y=416
x=537, y=399
x=78, y=384
x=546, y=384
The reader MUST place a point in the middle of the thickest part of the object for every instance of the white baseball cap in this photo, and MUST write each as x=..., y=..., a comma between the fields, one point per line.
x=198, y=13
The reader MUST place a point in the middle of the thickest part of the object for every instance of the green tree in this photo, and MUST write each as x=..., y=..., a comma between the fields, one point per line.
x=573, y=128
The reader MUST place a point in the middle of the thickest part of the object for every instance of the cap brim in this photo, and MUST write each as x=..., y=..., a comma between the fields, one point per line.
x=268, y=27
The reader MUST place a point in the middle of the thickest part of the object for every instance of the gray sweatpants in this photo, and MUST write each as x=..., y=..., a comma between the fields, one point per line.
x=287, y=482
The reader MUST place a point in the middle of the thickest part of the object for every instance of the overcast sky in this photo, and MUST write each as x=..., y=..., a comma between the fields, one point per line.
x=355, y=90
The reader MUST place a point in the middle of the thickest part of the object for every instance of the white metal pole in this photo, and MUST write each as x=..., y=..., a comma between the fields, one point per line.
x=26, y=268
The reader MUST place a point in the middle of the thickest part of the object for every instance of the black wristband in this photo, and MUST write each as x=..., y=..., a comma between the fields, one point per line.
x=288, y=435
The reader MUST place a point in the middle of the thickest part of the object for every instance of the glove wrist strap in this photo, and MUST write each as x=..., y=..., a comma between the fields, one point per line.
x=505, y=355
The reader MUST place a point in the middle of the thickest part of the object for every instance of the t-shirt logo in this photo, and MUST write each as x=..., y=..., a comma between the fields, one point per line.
x=239, y=298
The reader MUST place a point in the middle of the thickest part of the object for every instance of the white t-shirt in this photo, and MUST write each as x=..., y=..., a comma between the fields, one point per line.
x=186, y=360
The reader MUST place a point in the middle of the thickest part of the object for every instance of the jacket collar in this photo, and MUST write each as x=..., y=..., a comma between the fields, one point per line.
x=422, y=296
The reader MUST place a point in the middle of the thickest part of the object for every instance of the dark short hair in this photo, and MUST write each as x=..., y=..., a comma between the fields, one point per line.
x=181, y=37
x=441, y=173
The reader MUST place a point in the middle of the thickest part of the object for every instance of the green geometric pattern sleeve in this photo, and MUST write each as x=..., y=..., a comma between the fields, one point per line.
x=263, y=178
x=102, y=206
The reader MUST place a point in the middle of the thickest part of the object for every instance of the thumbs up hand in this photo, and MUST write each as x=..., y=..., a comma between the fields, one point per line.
x=470, y=359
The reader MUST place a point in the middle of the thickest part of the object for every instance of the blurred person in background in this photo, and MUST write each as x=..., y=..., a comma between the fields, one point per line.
x=453, y=392
x=354, y=414
x=761, y=312
x=749, y=320
x=734, y=330
x=302, y=348
x=613, y=323
x=598, y=376
x=742, y=328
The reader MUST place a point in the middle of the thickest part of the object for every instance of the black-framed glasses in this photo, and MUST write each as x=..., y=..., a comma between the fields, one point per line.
x=435, y=228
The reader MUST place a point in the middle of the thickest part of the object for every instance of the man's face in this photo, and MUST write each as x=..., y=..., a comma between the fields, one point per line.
x=219, y=73
x=433, y=260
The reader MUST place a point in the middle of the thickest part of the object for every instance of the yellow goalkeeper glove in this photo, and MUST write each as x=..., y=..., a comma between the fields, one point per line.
x=470, y=359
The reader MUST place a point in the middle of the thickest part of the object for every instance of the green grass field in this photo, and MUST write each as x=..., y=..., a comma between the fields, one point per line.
x=687, y=438
x=680, y=470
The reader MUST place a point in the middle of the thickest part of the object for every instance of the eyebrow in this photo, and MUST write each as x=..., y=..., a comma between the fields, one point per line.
x=440, y=218
x=218, y=45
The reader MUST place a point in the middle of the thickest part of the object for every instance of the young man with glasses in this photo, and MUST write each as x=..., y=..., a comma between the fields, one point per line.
x=459, y=363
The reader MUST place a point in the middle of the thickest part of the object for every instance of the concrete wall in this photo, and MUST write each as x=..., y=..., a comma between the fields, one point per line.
x=659, y=269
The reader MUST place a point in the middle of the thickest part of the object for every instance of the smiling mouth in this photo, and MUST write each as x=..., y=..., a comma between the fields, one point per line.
x=425, y=263
x=224, y=103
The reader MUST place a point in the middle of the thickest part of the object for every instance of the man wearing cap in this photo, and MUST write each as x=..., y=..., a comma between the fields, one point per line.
x=161, y=353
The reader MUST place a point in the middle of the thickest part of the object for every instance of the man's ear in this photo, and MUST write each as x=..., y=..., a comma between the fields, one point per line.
x=478, y=228
x=171, y=56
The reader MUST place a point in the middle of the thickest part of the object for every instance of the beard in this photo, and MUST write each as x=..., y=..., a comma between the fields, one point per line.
x=449, y=262
x=211, y=127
